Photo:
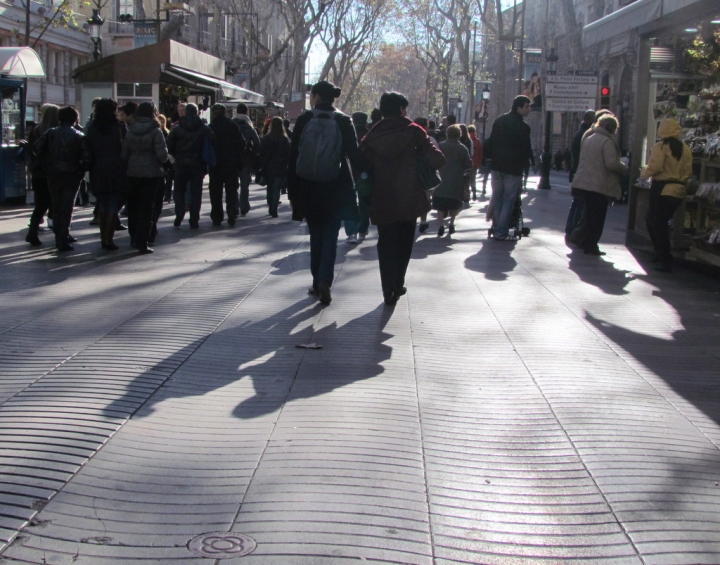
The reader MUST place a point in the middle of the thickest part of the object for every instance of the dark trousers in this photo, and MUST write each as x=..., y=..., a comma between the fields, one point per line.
x=596, y=206
x=43, y=201
x=275, y=184
x=660, y=211
x=169, y=176
x=576, y=212
x=189, y=178
x=63, y=190
x=157, y=207
x=394, y=248
x=142, y=194
x=323, y=249
x=245, y=178
x=230, y=183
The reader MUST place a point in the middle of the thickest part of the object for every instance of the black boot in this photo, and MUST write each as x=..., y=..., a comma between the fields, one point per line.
x=32, y=236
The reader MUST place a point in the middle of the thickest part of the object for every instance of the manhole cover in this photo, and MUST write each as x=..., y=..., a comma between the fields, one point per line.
x=222, y=545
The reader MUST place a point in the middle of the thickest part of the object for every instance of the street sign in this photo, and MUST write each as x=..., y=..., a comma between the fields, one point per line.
x=570, y=104
x=570, y=90
x=570, y=93
x=586, y=73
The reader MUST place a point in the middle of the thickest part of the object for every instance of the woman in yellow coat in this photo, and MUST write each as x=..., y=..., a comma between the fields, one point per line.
x=670, y=166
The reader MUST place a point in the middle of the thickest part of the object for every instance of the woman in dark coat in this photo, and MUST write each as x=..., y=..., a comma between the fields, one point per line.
x=38, y=169
x=105, y=136
x=323, y=204
x=145, y=152
x=275, y=156
x=391, y=150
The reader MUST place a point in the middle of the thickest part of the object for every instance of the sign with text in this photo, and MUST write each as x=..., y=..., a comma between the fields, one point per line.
x=570, y=93
x=570, y=104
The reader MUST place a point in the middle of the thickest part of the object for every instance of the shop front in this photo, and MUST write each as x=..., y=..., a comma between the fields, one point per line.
x=16, y=64
x=165, y=73
x=674, y=79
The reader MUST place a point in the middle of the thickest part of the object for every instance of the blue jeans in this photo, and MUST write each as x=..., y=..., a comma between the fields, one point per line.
x=362, y=225
x=275, y=184
x=323, y=249
x=505, y=190
x=189, y=178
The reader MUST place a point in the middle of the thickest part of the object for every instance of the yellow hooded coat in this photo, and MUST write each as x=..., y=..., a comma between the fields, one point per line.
x=663, y=166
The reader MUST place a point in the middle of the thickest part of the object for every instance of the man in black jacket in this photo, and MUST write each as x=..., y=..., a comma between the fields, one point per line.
x=251, y=154
x=230, y=146
x=67, y=157
x=185, y=144
x=510, y=154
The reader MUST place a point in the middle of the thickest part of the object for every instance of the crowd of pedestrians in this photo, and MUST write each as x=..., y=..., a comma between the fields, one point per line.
x=335, y=169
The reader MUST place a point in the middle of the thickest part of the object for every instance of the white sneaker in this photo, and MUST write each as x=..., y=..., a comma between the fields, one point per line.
x=361, y=237
x=352, y=239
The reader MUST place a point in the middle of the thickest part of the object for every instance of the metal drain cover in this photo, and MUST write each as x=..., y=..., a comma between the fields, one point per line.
x=222, y=545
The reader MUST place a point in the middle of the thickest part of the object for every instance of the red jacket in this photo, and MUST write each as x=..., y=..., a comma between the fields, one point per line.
x=477, y=156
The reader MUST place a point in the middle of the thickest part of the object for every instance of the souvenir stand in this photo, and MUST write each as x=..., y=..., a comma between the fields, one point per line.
x=16, y=63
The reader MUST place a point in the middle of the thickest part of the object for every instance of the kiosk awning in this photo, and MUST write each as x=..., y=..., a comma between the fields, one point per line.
x=647, y=16
x=20, y=62
x=229, y=91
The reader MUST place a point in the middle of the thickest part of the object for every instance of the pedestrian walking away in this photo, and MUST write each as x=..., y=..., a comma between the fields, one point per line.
x=423, y=123
x=598, y=177
x=38, y=170
x=577, y=206
x=185, y=144
x=230, y=145
x=477, y=159
x=320, y=184
x=390, y=151
x=66, y=151
x=356, y=232
x=448, y=197
x=105, y=138
x=249, y=156
x=275, y=156
x=670, y=165
x=510, y=152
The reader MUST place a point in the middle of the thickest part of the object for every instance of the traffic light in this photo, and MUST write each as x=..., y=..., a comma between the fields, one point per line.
x=605, y=97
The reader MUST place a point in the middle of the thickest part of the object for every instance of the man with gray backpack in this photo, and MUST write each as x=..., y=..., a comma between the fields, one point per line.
x=320, y=183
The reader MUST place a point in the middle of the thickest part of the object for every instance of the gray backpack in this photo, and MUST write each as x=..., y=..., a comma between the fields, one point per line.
x=320, y=150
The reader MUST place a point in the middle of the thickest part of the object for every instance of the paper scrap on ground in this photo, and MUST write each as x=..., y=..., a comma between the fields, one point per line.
x=309, y=346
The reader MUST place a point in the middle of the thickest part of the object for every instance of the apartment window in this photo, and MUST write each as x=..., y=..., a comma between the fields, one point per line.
x=125, y=89
x=124, y=7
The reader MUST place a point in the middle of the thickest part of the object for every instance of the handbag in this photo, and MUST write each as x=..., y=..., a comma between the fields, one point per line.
x=426, y=174
x=208, y=151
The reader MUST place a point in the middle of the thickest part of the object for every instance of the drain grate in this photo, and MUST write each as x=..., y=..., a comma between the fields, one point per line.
x=222, y=545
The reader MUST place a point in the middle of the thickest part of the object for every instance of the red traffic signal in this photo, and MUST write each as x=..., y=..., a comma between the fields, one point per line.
x=605, y=91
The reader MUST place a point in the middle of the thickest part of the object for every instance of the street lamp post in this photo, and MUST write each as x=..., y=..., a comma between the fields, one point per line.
x=550, y=68
x=95, y=23
x=486, y=103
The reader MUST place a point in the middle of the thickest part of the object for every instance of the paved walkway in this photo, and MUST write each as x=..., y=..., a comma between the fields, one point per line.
x=522, y=404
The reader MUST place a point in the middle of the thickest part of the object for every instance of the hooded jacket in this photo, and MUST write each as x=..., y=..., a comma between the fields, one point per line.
x=65, y=149
x=185, y=142
x=229, y=146
x=390, y=150
x=144, y=149
x=600, y=165
x=662, y=166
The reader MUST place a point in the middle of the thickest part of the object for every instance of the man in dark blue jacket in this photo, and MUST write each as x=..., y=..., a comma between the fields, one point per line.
x=230, y=145
x=511, y=153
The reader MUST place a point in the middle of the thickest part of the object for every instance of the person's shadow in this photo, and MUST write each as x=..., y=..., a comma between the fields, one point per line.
x=494, y=260
x=598, y=272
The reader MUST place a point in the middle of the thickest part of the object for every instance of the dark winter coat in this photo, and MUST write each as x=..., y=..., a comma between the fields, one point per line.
x=336, y=199
x=38, y=165
x=229, y=146
x=66, y=150
x=251, y=138
x=107, y=169
x=391, y=149
x=185, y=142
x=575, y=148
x=457, y=162
x=145, y=150
x=275, y=155
x=510, y=148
